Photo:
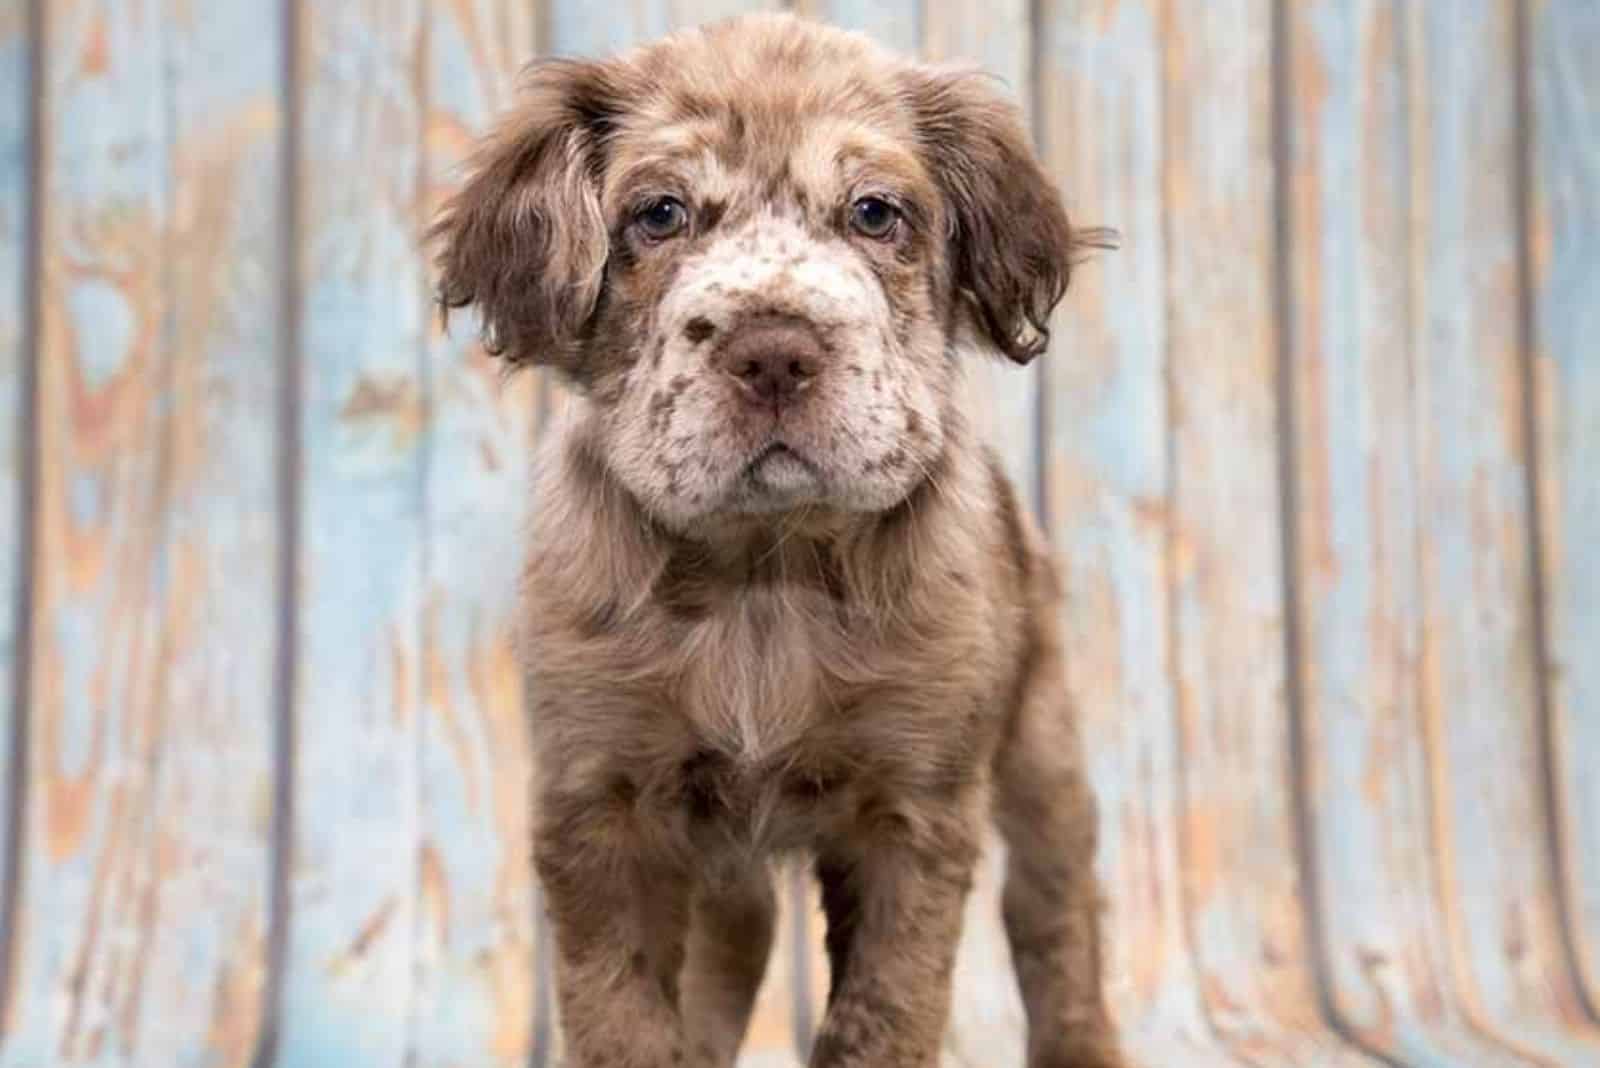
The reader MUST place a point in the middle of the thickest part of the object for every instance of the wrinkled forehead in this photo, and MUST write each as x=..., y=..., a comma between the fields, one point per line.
x=806, y=140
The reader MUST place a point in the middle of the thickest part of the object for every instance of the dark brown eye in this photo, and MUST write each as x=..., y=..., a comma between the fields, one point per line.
x=662, y=218
x=874, y=217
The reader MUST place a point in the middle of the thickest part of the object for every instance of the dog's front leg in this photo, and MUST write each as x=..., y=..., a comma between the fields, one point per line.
x=894, y=894
x=619, y=910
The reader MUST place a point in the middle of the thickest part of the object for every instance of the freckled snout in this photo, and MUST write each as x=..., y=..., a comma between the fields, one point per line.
x=772, y=360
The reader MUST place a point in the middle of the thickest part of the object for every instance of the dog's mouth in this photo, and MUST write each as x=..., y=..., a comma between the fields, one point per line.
x=777, y=474
x=775, y=450
x=777, y=459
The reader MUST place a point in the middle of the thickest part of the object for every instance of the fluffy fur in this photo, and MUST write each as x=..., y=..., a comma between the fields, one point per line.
x=779, y=600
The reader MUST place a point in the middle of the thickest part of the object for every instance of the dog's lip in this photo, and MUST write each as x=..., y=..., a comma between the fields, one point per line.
x=773, y=449
x=778, y=467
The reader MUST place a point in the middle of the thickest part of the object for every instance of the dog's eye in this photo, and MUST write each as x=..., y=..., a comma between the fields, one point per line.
x=874, y=217
x=662, y=218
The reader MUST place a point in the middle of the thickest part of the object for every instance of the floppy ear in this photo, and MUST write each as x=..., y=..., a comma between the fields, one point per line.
x=524, y=238
x=1012, y=248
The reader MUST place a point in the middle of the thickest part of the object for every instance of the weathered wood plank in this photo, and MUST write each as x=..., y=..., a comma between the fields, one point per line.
x=475, y=918
x=1480, y=697
x=1246, y=914
x=604, y=30
x=204, y=978
x=349, y=986
x=155, y=584
x=1564, y=40
x=1357, y=530
x=15, y=289
x=1109, y=483
x=73, y=849
x=600, y=30
x=694, y=12
x=895, y=23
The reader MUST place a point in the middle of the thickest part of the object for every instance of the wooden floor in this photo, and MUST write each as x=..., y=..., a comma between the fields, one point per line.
x=1319, y=449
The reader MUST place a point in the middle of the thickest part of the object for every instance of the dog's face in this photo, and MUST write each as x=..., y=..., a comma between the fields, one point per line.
x=759, y=249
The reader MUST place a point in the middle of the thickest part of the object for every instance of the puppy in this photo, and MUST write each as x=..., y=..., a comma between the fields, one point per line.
x=780, y=600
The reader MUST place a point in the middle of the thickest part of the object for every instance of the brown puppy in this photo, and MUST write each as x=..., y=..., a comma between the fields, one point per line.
x=779, y=598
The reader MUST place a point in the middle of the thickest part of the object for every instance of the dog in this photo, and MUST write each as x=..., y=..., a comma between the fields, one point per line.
x=780, y=599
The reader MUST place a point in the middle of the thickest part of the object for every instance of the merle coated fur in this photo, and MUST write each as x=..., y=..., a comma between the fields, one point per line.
x=813, y=622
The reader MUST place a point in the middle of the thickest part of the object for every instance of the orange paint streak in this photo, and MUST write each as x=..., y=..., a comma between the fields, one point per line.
x=435, y=890
x=236, y=1001
x=400, y=677
x=78, y=978
x=370, y=932
x=1138, y=905
x=147, y=922
x=394, y=403
x=95, y=57
x=68, y=807
x=1202, y=862
x=440, y=701
x=511, y=985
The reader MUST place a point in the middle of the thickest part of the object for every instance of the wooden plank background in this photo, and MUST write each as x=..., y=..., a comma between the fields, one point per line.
x=1318, y=448
x=1564, y=273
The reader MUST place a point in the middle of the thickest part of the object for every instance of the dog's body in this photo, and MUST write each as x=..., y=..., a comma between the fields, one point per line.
x=779, y=599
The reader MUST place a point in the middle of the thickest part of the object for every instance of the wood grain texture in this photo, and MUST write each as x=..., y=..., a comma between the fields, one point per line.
x=1357, y=529
x=895, y=23
x=1564, y=41
x=154, y=575
x=15, y=206
x=350, y=982
x=1453, y=900
x=475, y=917
x=601, y=30
x=1109, y=479
x=1480, y=700
x=694, y=12
x=1242, y=889
x=596, y=30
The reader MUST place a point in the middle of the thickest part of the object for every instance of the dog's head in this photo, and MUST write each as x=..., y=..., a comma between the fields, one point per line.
x=759, y=248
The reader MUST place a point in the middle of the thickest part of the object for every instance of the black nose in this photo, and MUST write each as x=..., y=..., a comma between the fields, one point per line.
x=772, y=359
